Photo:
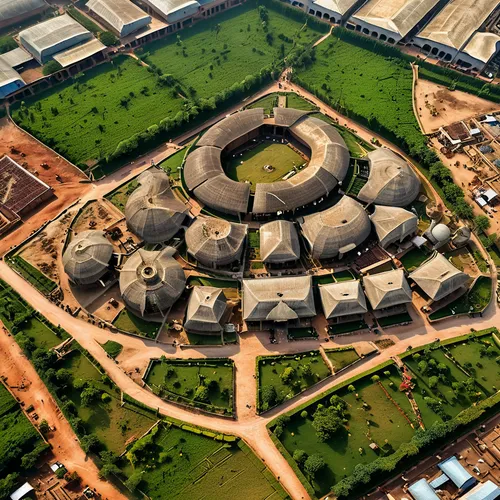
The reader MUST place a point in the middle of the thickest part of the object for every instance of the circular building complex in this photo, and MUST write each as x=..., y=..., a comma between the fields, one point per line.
x=215, y=242
x=337, y=230
x=391, y=181
x=151, y=282
x=87, y=257
x=152, y=211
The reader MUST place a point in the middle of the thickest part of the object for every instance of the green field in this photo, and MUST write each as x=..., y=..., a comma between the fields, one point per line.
x=41, y=334
x=131, y=323
x=249, y=166
x=221, y=51
x=204, y=383
x=112, y=423
x=120, y=195
x=342, y=357
x=412, y=259
x=172, y=164
x=296, y=102
x=191, y=465
x=32, y=275
x=112, y=348
x=267, y=103
x=282, y=377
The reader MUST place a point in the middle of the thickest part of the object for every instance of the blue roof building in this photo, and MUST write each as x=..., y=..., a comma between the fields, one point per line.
x=483, y=491
x=455, y=471
x=422, y=491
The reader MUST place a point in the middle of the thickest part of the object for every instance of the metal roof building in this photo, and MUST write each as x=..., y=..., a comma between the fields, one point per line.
x=151, y=282
x=86, y=259
x=16, y=57
x=215, y=242
x=342, y=299
x=438, y=277
x=391, y=180
x=421, y=490
x=279, y=242
x=122, y=16
x=152, y=210
x=173, y=10
x=483, y=491
x=336, y=230
x=387, y=289
x=206, y=310
x=457, y=473
x=10, y=79
x=391, y=20
x=393, y=224
x=332, y=10
x=453, y=27
x=14, y=11
x=278, y=299
x=79, y=52
x=50, y=37
x=481, y=49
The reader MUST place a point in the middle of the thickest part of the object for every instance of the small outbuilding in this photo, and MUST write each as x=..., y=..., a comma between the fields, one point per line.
x=391, y=181
x=152, y=210
x=86, y=259
x=151, y=282
x=458, y=474
x=278, y=299
x=215, y=242
x=279, y=242
x=387, y=290
x=206, y=311
x=344, y=299
x=393, y=224
x=438, y=277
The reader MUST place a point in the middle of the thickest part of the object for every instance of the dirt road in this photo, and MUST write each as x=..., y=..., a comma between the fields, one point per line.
x=65, y=446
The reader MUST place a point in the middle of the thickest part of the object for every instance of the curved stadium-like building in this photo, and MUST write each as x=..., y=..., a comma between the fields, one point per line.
x=87, y=257
x=151, y=282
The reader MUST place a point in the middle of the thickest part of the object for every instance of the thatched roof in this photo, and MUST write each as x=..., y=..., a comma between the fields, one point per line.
x=151, y=282
x=215, y=241
x=152, y=210
x=391, y=181
x=279, y=242
x=438, y=277
x=338, y=229
x=393, y=224
x=387, y=289
x=278, y=299
x=286, y=117
x=206, y=309
x=342, y=299
x=87, y=257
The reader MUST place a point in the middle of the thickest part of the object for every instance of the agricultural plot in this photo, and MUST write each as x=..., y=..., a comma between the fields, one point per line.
x=341, y=357
x=190, y=464
x=282, y=377
x=89, y=396
x=207, y=384
x=131, y=323
x=86, y=117
x=249, y=165
x=221, y=51
x=374, y=416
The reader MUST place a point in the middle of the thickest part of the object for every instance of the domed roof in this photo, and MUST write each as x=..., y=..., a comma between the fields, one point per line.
x=441, y=232
x=152, y=211
x=215, y=241
x=338, y=229
x=87, y=257
x=151, y=282
x=391, y=181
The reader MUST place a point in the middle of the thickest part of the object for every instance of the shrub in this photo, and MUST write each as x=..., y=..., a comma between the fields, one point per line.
x=314, y=464
x=51, y=67
x=300, y=456
x=90, y=443
x=108, y=38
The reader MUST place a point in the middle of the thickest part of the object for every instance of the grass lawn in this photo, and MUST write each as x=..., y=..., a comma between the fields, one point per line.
x=472, y=302
x=297, y=102
x=343, y=276
x=180, y=379
x=289, y=375
x=267, y=103
x=41, y=334
x=172, y=163
x=200, y=339
x=32, y=275
x=341, y=453
x=131, y=323
x=396, y=319
x=201, y=467
x=111, y=422
x=302, y=333
x=222, y=50
x=112, y=348
x=217, y=282
x=412, y=259
x=120, y=195
x=249, y=166
x=341, y=358
x=323, y=279
x=108, y=104
x=351, y=326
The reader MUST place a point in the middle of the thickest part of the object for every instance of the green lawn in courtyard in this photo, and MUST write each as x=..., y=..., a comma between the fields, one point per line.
x=395, y=319
x=289, y=375
x=112, y=348
x=120, y=195
x=172, y=164
x=200, y=339
x=351, y=326
x=343, y=276
x=249, y=167
x=323, y=279
x=342, y=357
x=267, y=103
x=131, y=323
x=41, y=334
x=412, y=259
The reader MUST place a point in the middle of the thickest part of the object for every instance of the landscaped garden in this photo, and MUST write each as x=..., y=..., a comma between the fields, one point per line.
x=206, y=384
x=193, y=463
x=131, y=323
x=284, y=376
x=279, y=159
x=119, y=196
x=112, y=348
x=341, y=357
